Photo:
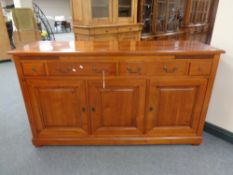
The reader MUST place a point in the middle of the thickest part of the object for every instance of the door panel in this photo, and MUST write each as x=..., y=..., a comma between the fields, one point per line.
x=59, y=106
x=175, y=105
x=117, y=109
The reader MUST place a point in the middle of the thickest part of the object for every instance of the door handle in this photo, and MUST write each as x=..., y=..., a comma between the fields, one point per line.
x=92, y=109
x=151, y=109
x=83, y=109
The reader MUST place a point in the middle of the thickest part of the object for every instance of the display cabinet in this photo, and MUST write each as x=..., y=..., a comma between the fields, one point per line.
x=188, y=19
x=105, y=19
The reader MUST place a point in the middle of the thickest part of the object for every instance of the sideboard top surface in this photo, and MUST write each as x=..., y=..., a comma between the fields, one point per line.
x=111, y=48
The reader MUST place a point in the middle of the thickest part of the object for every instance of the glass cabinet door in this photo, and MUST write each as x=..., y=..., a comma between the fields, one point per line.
x=147, y=15
x=100, y=8
x=125, y=8
x=170, y=15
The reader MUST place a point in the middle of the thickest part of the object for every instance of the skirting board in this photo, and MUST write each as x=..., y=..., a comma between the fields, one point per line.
x=3, y=61
x=218, y=132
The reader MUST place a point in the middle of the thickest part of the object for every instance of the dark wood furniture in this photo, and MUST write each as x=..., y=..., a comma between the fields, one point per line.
x=178, y=19
x=129, y=92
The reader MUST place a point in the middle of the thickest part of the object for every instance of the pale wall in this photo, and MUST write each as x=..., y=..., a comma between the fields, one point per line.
x=221, y=107
x=53, y=8
x=23, y=3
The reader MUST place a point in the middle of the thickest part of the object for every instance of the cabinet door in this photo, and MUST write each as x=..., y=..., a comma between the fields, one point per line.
x=59, y=107
x=101, y=11
x=174, y=106
x=117, y=109
x=126, y=11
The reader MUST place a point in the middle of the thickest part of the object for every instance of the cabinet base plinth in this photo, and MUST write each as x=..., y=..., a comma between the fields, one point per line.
x=39, y=142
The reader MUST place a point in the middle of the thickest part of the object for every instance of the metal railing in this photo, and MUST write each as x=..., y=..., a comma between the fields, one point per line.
x=42, y=19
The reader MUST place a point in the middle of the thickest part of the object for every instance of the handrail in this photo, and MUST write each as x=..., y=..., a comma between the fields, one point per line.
x=42, y=17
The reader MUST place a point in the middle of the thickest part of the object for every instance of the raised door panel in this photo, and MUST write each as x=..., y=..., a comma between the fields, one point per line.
x=118, y=108
x=175, y=106
x=59, y=107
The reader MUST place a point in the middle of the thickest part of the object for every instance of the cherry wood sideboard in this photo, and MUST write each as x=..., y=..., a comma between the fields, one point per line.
x=116, y=92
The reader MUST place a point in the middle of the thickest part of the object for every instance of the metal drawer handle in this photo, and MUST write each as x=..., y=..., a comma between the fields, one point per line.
x=173, y=70
x=67, y=70
x=74, y=70
x=99, y=71
x=136, y=71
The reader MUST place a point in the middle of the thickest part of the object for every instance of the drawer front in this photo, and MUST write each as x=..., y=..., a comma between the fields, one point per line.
x=105, y=31
x=82, y=68
x=128, y=29
x=200, y=67
x=154, y=68
x=128, y=36
x=33, y=69
x=106, y=37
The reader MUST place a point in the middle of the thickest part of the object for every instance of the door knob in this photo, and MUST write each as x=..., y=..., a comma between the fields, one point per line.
x=93, y=109
x=83, y=109
x=151, y=109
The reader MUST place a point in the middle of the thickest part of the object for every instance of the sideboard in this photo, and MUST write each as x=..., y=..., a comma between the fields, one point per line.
x=116, y=92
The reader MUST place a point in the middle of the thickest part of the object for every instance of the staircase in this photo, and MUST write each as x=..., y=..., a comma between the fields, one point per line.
x=42, y=19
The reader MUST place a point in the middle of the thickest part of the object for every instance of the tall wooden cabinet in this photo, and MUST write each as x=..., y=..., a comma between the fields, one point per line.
x=4, y=38
x=186, y=19
x=105, y=19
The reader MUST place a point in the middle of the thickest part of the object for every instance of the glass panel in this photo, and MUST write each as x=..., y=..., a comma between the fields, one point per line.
x=147, y=16
x=170, y=15
x=125, y=8
x=200, y=11
x=100, y=8
x=161, y=18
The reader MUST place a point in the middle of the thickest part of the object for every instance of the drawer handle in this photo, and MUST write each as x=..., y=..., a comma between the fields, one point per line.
x=165, y=69
x=74, y=70
x=136, y=71
x=67, y=70
x=98, y=71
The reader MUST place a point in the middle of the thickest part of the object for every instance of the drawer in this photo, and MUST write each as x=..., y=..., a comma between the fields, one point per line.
x=128, y=29
x=128, y=36
x=33, y=69
x=154, y=68
x=105, y=31
x=106, y=37
x=81, y=68
x=200, y=67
